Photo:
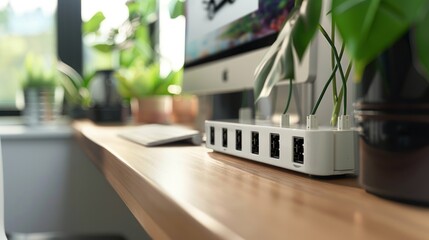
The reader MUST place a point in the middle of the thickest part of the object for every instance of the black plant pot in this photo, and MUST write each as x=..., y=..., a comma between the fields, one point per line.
x=78, y=112
x=108, y=107
x=393, y=115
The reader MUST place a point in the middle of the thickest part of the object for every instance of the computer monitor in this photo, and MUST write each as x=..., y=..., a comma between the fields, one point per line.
x=227, y=39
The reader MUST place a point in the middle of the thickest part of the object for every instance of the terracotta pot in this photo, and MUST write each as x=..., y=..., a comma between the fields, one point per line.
x=155, y=109
x=393, y=116
x=185, y=109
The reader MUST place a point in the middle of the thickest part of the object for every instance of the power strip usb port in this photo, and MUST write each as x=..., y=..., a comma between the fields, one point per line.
x=275, y=145
x=238, y=140
x=255, y=142
x=224, y=137
x=298, y=150
x=212, y=135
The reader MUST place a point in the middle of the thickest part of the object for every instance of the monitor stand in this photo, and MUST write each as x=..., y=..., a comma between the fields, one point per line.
x=227, y=105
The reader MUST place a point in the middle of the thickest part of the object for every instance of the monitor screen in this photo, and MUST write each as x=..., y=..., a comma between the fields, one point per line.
x=226, y=40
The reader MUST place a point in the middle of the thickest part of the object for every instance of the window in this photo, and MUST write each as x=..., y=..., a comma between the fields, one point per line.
x=172, y=52
x=115, y=14
x=25, y=26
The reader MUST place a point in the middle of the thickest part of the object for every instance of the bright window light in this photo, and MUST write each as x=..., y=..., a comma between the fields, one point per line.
x=171, y=39
x=24, y=6
x=26, y=26
x=115, y=11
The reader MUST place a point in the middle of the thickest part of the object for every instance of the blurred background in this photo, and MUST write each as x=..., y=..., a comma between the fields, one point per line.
x=70, y=59
x=72, y=44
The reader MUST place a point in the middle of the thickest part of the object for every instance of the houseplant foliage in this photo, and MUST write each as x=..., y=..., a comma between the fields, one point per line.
x=367, y=27
x=176, y=8
x=37, y=75
x=42, y=97
x=393, y=94
x=388, y=43
x=76, y=88
x=134, y=41
x=138, y=72
x=139, y=80
x=139, y=77
x=296, y=34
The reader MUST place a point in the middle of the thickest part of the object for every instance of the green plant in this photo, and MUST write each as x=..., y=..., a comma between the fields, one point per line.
x=132, y=39
x=367, y=28
x=37, y=75
x=76, y=88
x=176, y=8
x=139, y=68
x=139, y=80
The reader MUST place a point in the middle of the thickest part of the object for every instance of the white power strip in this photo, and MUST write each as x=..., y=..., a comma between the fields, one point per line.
x=320, y=152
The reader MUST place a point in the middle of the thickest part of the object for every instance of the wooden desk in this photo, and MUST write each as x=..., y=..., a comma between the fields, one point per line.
x=189, y=192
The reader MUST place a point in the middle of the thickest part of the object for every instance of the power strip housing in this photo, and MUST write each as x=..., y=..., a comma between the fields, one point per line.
x=320, y=152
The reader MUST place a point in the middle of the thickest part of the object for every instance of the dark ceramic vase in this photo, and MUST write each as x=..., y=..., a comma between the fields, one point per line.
x=107, y=103
x=393, y=116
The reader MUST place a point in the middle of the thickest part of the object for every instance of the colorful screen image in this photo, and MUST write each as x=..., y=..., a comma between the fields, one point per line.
x=221, y=28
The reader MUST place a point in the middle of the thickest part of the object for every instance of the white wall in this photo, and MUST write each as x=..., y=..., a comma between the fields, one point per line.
x=51, y=185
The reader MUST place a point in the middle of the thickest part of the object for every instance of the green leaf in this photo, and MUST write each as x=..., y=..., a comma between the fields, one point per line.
x=177, y=8
x=93, y=24
x=104, y=47
x=142, y=44
x=368, y=27
x=126, y=57
x=260, y=79
x=173, y=78
x=123, y=87
x=306, y=25
x=152, y=78
x=133, y=8
x=74, y=77
x=296, y=35
x=147, y=9
x=422, y=43
x=143, y=51
x=288, y=67
x=271, y=68
x=87, y=78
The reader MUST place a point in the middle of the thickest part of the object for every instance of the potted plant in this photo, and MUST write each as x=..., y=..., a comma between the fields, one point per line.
x=149, y=92
x=105, y=103
x=43, y=97
x=130, y=40
x=77, y=91
x=393, y=95
x=138, y=74
x=388, y=43
x=94, y=96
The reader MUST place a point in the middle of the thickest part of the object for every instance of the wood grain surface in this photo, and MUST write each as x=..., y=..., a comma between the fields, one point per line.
x=189, y=192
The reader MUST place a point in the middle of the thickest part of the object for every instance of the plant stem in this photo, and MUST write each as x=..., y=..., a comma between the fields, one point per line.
x=334, y=80
x=337, y=57
x=290, y=96
x=337, y=105
x=331, y=78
